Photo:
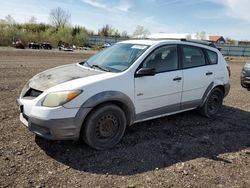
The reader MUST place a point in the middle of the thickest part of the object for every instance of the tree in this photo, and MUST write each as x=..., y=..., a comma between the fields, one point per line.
x=116, y=33
x=80, y=38
x=201, y=35
x=189, y=36
x=230, y=41
x=140, y=32
x=80, y=35
x=124, y=34
x=106, y=31
x=10, y=30
x=10, y=20
x=33, y=20
x=64, y=34
x=59, y=17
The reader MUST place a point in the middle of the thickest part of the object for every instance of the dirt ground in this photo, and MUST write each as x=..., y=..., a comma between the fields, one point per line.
x=184, y=150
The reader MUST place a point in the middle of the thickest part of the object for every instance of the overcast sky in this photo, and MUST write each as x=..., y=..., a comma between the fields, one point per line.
x=229, y=18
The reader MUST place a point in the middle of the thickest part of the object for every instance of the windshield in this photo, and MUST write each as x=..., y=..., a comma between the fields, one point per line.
x=116, y=58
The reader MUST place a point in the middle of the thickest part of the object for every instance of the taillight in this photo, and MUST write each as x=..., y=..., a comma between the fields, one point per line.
x=229, y=70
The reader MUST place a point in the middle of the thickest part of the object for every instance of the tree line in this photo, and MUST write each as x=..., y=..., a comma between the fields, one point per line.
x=58, y=29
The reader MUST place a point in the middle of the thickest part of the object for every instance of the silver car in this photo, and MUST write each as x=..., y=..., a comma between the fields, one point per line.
x=245, y=76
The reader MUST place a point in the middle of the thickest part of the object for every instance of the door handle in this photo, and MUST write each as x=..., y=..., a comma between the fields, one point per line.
x=209, y=73
x=177, y=79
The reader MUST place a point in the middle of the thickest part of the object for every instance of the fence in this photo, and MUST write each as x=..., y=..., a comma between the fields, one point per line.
x=229, y=50
x=100, y=40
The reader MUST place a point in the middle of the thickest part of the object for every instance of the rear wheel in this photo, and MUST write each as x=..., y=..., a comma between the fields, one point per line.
x=213, y=103
x=104, y=127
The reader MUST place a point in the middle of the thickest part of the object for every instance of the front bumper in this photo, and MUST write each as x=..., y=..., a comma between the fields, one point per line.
x=46, y=123
x=57, y=129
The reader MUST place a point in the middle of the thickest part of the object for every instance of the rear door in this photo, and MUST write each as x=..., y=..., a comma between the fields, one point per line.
x=197, y=74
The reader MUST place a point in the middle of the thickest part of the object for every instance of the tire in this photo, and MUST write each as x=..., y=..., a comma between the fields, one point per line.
x=213, y=103
x=104, y=127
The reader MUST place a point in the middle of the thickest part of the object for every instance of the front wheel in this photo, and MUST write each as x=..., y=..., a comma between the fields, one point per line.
x=104, y=127
x=213, y=103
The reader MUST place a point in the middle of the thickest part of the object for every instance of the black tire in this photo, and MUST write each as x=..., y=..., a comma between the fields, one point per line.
x=104, y=127
x=213, y=103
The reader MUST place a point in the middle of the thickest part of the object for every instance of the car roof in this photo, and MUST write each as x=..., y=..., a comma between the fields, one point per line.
x=141, y=41
x=151, y=42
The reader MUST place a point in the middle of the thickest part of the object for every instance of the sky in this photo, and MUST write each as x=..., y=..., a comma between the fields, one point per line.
x=228, y=18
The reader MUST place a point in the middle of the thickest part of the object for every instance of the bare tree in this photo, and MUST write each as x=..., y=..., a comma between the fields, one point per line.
x=201, y=35
x=10, y=20
x=33, y=20
x=141, y=32
x=59, y=17
x=124, y=34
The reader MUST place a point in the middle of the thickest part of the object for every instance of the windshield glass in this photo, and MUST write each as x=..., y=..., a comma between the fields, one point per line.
x=116, y=58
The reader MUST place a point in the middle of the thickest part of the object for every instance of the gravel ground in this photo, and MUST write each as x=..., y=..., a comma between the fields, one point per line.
x=184, y=150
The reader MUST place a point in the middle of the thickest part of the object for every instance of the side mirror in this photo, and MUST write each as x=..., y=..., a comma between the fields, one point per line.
x=145, y=72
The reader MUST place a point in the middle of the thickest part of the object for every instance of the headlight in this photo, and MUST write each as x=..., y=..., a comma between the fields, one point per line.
x=59, y=98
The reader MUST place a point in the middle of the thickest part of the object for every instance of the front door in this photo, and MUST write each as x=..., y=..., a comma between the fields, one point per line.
x=161, y=93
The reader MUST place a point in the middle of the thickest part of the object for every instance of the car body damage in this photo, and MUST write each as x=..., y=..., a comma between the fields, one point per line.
x=58, y=75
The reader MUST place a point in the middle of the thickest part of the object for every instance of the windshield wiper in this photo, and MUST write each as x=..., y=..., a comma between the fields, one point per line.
x=87, y=63
x=99, y=67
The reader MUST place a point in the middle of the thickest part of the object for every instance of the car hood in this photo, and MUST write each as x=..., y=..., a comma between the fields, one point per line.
x=58, y=75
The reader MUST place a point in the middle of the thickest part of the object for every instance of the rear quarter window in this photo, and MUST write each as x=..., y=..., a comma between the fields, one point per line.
x=212, y=57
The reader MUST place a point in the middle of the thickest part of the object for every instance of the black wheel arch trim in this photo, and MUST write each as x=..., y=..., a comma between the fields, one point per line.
x=115, y=97
x=226, y=88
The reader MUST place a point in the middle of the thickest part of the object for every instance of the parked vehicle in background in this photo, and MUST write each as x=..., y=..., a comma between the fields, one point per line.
x=46, y=46
x=34, y=45
x=64, y=46
x=106, y=45
x=245, y=76
x=18, y=44
x=131, y=81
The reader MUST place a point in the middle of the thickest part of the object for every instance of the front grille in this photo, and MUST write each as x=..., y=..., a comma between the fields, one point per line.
x=32, y=93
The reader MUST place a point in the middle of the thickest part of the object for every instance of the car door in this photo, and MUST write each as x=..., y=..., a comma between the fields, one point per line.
x=197, y=75
x=160, y=93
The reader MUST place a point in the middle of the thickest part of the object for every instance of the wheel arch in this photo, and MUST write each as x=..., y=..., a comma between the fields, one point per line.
x=215, y=84
x=108, y=97
x=129, y=115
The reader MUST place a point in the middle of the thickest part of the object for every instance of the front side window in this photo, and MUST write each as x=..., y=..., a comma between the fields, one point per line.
x=163, y=59
x=116, y=58
x=192, y=57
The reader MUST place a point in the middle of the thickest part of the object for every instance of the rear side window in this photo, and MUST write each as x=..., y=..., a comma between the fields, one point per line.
x=212, y=57
x=192, y=57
